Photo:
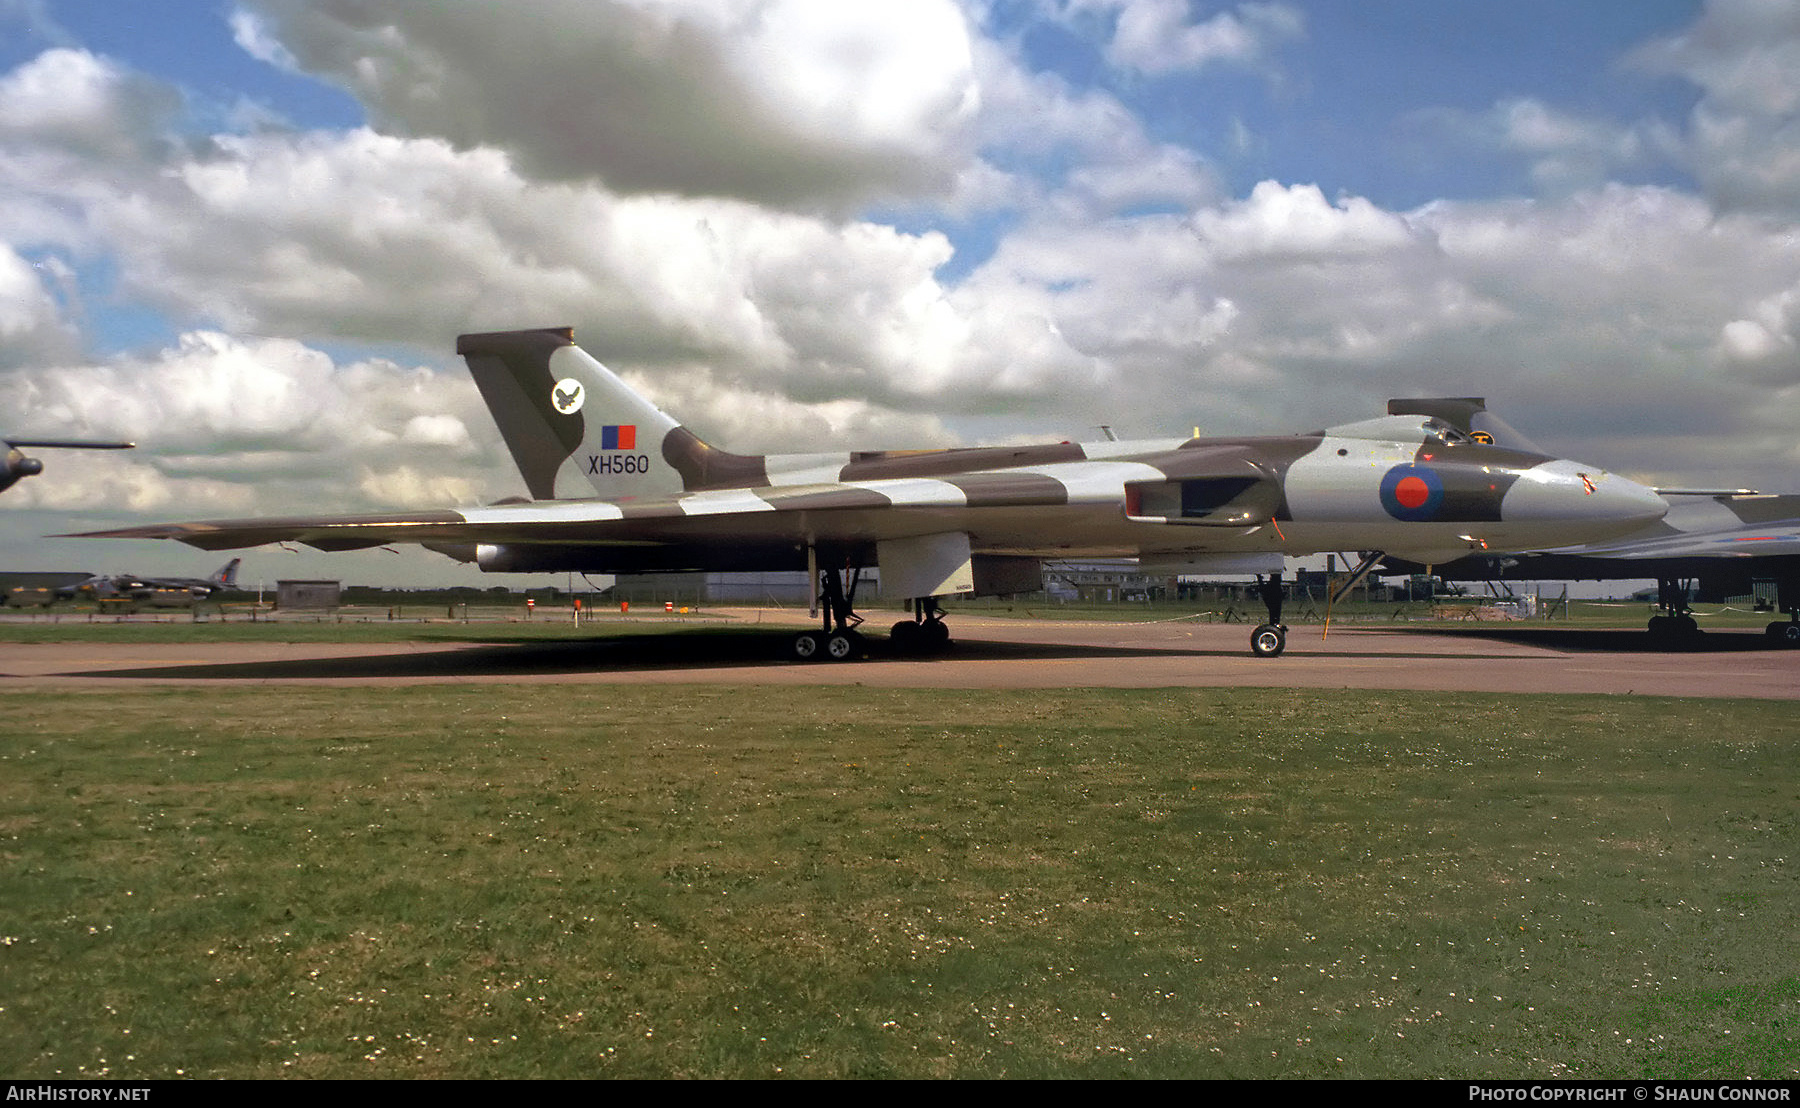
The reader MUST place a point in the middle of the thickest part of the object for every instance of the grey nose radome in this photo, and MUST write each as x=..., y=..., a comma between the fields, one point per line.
x=1569, y=492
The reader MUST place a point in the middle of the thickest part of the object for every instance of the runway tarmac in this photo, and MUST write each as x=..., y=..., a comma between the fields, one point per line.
x=988, y=653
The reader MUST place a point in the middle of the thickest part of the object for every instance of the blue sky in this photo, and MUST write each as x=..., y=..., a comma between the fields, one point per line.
x=246, y=233
x=185, y=42
x=1338, y=106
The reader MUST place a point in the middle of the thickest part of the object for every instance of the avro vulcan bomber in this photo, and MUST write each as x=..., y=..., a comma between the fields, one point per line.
x=618, y=486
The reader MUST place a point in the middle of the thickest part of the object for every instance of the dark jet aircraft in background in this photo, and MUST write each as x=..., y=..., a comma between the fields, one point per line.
x=30, y=589
x=158, y=592
x=619, y=487
x=1712, y=544
x=18, y=466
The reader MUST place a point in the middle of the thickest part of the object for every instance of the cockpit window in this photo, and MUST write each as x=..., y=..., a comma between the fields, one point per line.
x=1445, y=433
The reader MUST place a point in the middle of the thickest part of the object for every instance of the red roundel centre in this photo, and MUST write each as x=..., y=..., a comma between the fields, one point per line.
x=1412, y=492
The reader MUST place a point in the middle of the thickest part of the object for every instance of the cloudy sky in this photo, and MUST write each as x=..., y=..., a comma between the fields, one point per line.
x=246, y=233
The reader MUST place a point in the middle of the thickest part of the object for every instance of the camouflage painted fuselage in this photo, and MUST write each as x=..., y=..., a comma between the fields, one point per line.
x=620, y=487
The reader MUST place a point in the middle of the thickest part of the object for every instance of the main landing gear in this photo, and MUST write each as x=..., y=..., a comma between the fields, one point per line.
x=1269, y=639
x=838, y=639
x=925, y=633
x=1787, y=599
x=1676, y=623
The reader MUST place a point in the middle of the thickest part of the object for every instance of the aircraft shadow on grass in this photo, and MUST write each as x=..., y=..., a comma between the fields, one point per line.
x=672, y=652
x=711, y=650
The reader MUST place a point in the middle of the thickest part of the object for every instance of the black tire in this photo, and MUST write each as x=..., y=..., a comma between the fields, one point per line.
x=935, y=633
x=905, y=636
x=808, y=646
x=1789, y=634
x=841, y=646
x=1268, y=641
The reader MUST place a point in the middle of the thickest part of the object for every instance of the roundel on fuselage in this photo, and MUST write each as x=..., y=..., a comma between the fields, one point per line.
x=1412, y=493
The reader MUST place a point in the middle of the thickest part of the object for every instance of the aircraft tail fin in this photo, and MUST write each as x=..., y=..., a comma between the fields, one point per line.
x=226, y=577
x=576, y=430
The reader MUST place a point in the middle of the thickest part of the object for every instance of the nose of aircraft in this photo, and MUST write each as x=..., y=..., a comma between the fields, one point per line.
x=1585, y=497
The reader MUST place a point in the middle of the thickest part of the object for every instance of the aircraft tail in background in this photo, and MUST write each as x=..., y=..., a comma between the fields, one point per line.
x=226, y=577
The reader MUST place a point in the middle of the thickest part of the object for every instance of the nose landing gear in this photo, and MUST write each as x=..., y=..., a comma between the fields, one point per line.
x=1269, y=639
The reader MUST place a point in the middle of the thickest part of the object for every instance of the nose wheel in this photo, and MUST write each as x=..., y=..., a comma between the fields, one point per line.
x=1268, y=640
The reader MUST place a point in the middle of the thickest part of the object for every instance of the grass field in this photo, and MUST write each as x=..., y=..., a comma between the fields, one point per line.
x=514, y=881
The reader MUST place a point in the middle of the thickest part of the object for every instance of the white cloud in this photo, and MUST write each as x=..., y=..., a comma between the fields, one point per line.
x=1744, y=53
x=1567, y=151
x=1158, y=37
x=228, y=425
x=1080, y=151
x=367, y=236
x=72, y=100
x=407, y=486
x=1297, y=221
x=249, y=31
x=752, y=420
x=33, y=329
x=799, y=103
x=1764, y=346
x=1155, y=36
x=1588, y=320
x=1743, y=137
x=1741, y=141
x=435, y=430
x=110, y=482
x=1155, y=176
